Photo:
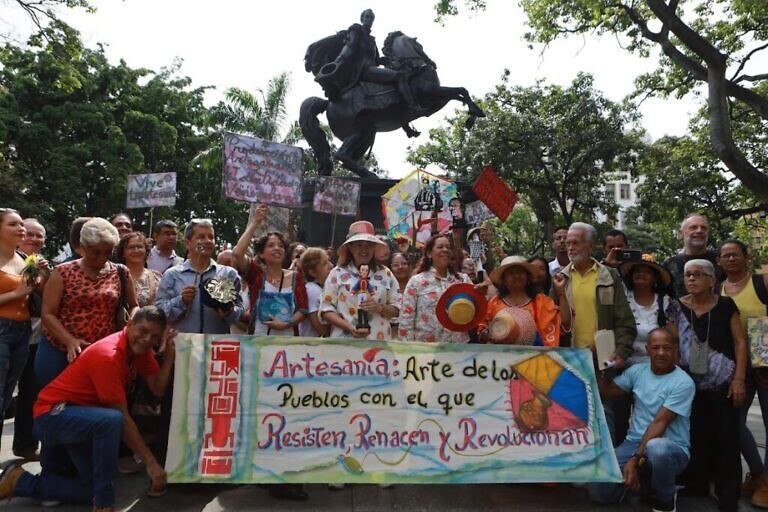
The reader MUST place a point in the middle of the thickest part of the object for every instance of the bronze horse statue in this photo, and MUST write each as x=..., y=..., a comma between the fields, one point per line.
x=357, y=113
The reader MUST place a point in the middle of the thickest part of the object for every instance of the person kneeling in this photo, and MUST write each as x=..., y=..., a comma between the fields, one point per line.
x=659, y=431
x=82, y=416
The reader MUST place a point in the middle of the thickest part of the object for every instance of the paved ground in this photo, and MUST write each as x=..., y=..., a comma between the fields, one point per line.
x=360, y=498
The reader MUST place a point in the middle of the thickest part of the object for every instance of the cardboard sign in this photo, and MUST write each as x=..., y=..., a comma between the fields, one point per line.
x=476, y=212
x=259, y=171
x=273, y=409
x=495, y=193
x=336, y=196
x=149, y=190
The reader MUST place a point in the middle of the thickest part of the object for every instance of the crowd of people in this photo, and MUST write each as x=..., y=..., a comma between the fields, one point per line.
x=90, y=341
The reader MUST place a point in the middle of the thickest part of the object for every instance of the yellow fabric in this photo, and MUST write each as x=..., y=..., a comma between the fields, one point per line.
x=584, y=288
x=747, y=301
x=541, y=371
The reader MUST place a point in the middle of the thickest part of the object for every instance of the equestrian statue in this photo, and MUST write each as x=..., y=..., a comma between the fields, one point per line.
x=364, y=98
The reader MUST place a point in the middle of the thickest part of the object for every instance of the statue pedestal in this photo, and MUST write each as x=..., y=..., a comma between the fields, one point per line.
x=316, y=228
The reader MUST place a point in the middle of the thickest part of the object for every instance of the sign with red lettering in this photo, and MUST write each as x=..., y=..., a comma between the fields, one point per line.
x=495, y=193
x=260, y=171
x=272, y=409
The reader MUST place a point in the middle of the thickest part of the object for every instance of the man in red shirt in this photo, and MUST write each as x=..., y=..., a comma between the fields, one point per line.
x=82, y=415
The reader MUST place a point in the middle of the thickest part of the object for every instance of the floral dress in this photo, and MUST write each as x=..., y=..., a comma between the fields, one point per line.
x=418, y=320
x=340, y=294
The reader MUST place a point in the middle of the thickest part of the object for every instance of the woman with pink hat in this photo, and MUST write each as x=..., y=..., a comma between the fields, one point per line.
x=360, y=296
x=435, y=274
x=520, y=316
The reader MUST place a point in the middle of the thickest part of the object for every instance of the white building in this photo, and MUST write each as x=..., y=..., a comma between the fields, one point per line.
x=623, y=190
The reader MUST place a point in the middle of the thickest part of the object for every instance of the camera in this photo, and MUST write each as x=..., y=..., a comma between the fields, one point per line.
x=629, y=255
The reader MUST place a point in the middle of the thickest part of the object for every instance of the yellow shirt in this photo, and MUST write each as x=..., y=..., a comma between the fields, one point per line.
x=583, y=287
x=747, y=301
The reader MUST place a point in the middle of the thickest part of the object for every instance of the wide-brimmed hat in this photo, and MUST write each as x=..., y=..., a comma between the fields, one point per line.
x=649, y=261
x=497, y=276
x=359, y=231
x=512, y=325
x=461, y=307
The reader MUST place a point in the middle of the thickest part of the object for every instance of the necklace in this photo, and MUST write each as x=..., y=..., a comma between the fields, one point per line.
x=275, y=280
x=509, y=302
x=736, y=283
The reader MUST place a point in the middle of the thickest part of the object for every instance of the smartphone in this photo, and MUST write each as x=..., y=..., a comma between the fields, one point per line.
x=629, y=255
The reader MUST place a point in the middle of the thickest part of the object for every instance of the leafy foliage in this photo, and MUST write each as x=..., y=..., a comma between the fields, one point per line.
x=557, y=146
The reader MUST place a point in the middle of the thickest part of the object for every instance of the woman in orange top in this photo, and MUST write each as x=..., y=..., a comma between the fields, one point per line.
x=518, y=315
x=14, y=305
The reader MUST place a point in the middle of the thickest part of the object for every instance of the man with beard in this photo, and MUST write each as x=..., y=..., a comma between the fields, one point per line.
x=694, y=231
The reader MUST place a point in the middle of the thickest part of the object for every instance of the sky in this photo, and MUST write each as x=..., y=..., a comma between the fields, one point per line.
x=240, y=43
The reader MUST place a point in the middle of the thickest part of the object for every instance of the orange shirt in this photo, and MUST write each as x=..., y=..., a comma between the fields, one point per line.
x=16, y=310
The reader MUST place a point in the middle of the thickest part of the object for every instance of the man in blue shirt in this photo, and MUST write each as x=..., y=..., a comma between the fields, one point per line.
x=659, y=430
x=180, y=293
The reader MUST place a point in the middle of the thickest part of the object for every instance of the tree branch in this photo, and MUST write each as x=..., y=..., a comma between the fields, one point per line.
x=745, y=59
x=751, y=78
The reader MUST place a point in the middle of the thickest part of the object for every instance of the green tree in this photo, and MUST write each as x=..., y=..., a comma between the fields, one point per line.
x=557, y=146
x=709, y=42
x=73, y=127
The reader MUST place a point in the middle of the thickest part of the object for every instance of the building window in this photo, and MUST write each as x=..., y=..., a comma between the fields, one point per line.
x=610, y=191
x=625, y=192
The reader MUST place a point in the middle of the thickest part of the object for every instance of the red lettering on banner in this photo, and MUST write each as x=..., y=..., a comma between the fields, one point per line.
x=495, y=193
x=222, y=392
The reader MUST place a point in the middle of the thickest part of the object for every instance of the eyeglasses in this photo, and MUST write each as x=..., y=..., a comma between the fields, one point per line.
x=696, y=275
x=730, y=256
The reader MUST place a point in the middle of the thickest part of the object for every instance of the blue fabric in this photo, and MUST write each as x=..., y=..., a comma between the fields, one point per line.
x=569, y=391
x=49, y=362
x=198, y=317
x=90, y=438
x=674, y=391
x=14, y=344
x=666, y=460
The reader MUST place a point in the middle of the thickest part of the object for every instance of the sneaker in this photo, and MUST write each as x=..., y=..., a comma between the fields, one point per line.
x=664, y=506
x=8, y=481
x=129, y=465
x=749, y=485
x=760, y=496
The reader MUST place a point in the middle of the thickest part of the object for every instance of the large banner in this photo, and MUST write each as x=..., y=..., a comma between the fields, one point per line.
x=149, y=190
x=259, y=410
x=260, y=171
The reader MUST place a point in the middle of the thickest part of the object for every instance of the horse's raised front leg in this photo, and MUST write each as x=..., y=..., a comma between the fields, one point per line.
x=352, y=150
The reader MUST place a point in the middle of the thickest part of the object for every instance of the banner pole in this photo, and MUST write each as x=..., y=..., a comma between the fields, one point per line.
x=151, y=215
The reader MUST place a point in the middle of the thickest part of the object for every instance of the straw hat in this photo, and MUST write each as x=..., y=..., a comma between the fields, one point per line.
x=461, y=307
x=649, y=261
x=512, y=325
x=359, y=231
x=497, y=276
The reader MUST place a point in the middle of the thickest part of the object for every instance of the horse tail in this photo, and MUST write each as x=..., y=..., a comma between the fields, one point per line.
x=314, y=134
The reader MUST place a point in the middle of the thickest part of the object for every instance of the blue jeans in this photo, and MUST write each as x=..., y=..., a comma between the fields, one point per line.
x=49, y=362
x=666, y=460
x=90, y=438
x=14, y=344
x=756, y=464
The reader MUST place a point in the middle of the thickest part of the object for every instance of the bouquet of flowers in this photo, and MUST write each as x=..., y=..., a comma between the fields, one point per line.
x=34, y=269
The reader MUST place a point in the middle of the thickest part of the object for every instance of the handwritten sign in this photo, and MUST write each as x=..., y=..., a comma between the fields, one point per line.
x=270, y=409
x=336, y=196
x=259, y=171
x=495, y=193
x=149, y=190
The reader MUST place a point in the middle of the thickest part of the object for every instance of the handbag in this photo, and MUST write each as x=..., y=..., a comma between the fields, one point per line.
x=121, y=312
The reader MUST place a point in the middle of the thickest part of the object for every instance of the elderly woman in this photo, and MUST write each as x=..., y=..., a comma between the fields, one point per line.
x=418, y=317
x=645, y=281
x=132, y=251
x=714, y=352
x=278, y=297
x=360, y=296
x=538, y=319
x=750, y=293
x=81, y=300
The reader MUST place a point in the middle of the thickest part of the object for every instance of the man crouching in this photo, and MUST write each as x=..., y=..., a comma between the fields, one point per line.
x=82, y=415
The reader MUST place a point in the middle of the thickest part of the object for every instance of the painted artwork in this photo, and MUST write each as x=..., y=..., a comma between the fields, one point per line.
x=336, y=196
x=757, y=333
x=406, y=205
x=252, y=409
x=260, y=171
x=150, y=190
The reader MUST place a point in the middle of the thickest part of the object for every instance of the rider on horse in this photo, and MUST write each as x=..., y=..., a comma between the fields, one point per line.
x=358, y=61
